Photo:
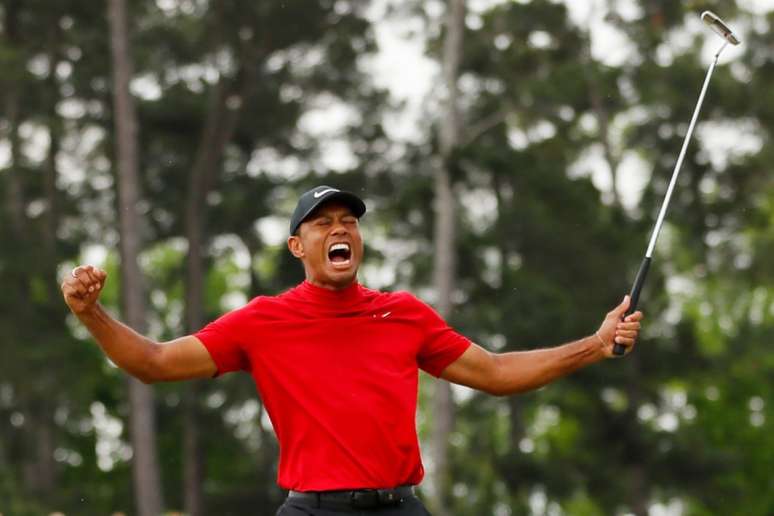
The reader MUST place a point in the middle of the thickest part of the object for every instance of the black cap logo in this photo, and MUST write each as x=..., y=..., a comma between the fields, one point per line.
x=311, y=200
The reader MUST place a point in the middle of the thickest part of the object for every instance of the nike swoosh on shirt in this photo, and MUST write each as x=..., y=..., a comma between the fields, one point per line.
x=317, y=195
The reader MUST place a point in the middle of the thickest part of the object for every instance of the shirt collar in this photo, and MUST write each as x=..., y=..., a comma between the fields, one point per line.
x=348, y=293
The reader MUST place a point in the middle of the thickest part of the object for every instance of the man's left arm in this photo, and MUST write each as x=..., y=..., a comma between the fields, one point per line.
x=519, y=371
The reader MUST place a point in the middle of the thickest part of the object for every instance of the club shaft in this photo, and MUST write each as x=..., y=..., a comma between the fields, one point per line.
x=679, y=164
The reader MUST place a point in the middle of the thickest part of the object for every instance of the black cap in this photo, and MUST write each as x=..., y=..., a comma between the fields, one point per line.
x=309, y=201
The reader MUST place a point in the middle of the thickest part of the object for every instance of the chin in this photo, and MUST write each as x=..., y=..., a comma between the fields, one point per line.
x=342, y=278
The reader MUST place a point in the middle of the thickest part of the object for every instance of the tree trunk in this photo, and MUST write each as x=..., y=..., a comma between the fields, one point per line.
x=36, y=477
x=603, y=119
x=44, y=448
x=145, y=467
x=220, y=124
x=51, y=215
x=193, y=459
x=219, y=128
x=14, y=192
x=601, y=113
x=444, y=257
x=636, y=476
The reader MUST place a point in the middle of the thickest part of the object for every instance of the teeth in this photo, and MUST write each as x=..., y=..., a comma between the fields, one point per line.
x=339, y=247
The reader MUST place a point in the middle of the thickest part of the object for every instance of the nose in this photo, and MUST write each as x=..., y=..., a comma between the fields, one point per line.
x=339, y=228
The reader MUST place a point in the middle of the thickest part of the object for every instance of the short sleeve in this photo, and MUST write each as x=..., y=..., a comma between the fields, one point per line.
x=441, y=344
x=220, y=337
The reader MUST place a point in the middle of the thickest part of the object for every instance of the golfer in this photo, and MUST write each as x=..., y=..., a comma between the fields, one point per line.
x=337, y=364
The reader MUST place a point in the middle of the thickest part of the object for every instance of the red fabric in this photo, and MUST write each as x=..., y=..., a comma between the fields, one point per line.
x=338, y=374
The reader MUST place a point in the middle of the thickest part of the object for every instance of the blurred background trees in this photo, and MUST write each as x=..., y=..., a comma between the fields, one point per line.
x=554, y=154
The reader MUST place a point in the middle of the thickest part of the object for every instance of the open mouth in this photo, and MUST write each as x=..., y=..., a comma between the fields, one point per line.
x=340, y=254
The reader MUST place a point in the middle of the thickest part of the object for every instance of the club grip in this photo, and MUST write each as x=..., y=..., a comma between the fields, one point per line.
x=634, y=297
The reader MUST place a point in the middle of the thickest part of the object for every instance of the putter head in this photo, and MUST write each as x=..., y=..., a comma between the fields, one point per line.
x=719, y=26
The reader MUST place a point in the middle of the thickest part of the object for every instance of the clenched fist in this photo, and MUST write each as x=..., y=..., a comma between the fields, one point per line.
x=81, y=288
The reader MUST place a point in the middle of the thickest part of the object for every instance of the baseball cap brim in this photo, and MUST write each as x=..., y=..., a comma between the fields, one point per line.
x=308, y=203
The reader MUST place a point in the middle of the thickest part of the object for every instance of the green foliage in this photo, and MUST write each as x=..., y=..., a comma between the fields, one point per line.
x=544, y=248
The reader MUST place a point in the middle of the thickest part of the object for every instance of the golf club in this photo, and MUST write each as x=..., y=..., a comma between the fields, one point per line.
x=719, y=26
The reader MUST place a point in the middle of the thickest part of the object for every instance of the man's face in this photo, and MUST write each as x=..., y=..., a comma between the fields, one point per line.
x=329, y=245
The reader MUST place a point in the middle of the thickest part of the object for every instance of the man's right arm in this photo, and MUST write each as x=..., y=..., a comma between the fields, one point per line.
x=141, y=357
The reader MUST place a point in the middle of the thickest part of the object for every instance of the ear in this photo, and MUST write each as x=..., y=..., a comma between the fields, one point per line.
x=295, y=246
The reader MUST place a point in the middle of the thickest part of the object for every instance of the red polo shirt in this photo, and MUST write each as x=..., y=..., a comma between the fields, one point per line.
x=338, y=374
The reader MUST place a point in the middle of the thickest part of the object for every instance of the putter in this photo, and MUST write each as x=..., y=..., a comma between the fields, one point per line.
x=719, y=26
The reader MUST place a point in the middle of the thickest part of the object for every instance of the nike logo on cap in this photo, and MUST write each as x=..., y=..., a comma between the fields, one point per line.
x=317, y=195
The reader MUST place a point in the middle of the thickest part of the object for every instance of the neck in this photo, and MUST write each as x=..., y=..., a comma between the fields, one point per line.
x=331, y=286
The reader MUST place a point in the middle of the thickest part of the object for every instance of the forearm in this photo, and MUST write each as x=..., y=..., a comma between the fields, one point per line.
x=510, y=373
x=521, y=371
x=128, y=349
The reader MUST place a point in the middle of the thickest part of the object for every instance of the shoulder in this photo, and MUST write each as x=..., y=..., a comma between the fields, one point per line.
x=406, y=297
x=258, y=305
x=243, y=311
x=406, y=300
x=273, y=305
x=374, y=294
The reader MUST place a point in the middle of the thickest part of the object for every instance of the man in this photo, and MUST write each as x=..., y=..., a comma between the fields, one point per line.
x=336, y=364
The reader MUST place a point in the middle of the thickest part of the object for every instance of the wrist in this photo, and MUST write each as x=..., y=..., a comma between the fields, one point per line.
x=88, y=312
x=599, y=344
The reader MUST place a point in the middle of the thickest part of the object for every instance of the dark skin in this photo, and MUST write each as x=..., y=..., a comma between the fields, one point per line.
x=332, y=223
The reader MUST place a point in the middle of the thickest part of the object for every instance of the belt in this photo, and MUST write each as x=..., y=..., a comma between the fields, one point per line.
x=356, y=499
